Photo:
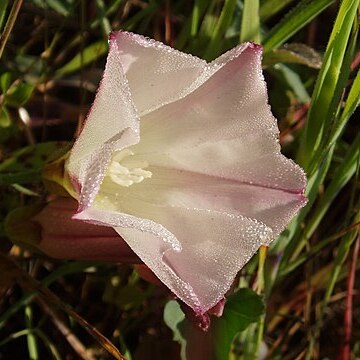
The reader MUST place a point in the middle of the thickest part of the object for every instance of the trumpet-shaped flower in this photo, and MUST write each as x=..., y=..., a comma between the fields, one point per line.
x=181, y=157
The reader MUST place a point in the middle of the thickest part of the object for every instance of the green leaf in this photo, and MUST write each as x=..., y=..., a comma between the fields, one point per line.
x=173, y=317
x=295, y=20
x=292, y=80
x=21, y=177
x=5, y=119
x=89, y=55
x=250, y=23
x=21, y=229
x=124, y=297
x=25, y=165
x=242, y=309
x=30, y=157
x=5, y=81
x=18, y=94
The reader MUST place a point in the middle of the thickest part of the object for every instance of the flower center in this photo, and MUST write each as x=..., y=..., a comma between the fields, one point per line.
x=125, y=171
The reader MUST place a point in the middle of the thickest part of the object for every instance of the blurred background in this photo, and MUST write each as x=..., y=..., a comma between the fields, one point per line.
x=52, y=55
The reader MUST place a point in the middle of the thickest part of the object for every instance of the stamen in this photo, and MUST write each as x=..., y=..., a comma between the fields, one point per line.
x=124, y=171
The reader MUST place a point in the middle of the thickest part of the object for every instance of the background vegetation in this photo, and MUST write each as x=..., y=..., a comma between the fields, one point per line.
x=52, y=56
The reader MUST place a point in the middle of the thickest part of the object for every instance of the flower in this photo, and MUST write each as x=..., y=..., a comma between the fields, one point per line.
x=181, y=158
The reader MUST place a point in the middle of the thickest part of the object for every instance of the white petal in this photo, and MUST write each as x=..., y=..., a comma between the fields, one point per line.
x=214, y=246
x=157, y=74
x=170, y=187
x=224, y=128
x=112, y=114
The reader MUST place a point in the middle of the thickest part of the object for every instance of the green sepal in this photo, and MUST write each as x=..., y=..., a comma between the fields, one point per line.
x=21, y=229
x=56, y=178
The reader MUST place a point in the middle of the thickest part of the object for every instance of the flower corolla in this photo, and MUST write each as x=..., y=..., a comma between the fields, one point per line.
x=181, y=158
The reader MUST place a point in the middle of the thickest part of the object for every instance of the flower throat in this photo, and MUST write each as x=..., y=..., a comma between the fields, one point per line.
x=125, y=171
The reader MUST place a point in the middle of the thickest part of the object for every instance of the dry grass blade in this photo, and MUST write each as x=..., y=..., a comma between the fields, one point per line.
x=69, y=335
x=27, y=282
x=345, y=351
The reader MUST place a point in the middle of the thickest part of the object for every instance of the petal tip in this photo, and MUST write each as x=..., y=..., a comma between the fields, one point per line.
x=255, y=46
x=112, y=35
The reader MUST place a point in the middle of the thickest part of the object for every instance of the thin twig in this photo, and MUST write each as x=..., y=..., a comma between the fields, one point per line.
x=71, y=338
x=168, y=32
x=9, y=24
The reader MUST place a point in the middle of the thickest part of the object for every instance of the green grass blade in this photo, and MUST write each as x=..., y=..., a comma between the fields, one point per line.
x=24, y=177
x=14, y=336
x=341, y=121
x=103, y=20
x=342, y=254
x=195, y=17
x=111, y=9
x=56, y=5
x=270, y=8
x=286, y=75
x=66, y=269
x=134, y=23
x=341, y=177
x=49, y=344
x=295, y=20
x=250, y=22
x=3, y=6
x=227, y=12
x=293, y=236
x=31, y=338
x=352, y=103
x=190, y=29
x=330, y=82
x=89, y=54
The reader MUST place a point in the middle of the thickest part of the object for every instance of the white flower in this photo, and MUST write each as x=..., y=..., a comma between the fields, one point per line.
x=181, y=157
